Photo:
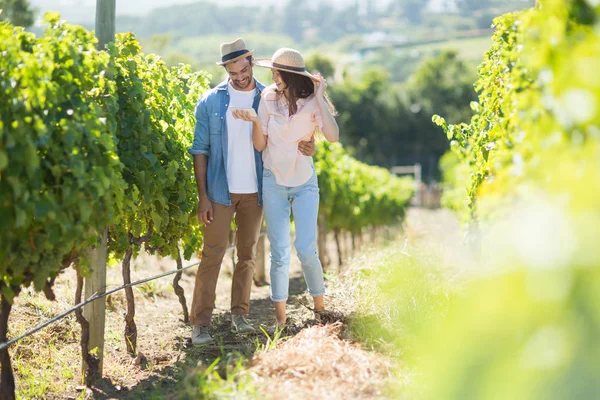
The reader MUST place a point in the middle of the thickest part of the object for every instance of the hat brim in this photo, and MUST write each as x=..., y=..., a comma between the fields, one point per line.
x=266, y=63
x=251, y=52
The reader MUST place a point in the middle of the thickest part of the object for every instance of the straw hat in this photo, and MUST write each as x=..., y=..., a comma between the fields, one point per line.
x=233, y=51
x=288, y=60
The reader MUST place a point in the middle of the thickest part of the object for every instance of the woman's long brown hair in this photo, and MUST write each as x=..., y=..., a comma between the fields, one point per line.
x=300, y=87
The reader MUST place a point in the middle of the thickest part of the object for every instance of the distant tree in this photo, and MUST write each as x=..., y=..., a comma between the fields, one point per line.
x=383, y=125
x=347, y=20
x=293, y=21
x=444, y=85
x=468, y=7
x=18, y=12
x=376, y=126
x=370, y=9
x=320, y=64
x=358, y=103
x=441, y=85
x=159, y=43
x=412, y=10
x=329, y=24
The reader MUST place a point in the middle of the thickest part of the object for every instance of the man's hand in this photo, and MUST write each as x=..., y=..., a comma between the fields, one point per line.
x=205, y=211
x=307, y=147
x=243, y=114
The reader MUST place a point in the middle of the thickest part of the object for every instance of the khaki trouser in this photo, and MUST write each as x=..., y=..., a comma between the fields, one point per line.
x=248, y=219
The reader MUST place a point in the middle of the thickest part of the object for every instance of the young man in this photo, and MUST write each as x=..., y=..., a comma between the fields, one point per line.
x=228, y=174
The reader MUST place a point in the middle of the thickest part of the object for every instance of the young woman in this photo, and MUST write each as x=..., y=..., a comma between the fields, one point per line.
x=291, y=110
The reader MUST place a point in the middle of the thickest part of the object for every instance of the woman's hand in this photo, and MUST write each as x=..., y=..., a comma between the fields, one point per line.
x=320, y=85
x=330, y=128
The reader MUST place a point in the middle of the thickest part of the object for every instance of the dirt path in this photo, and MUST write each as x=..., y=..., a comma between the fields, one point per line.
x=166, y=355
x=164, y=339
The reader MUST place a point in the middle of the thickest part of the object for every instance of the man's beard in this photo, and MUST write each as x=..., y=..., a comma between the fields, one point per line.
x=239, y=85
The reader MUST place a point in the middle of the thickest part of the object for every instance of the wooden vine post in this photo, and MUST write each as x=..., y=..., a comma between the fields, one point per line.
x=95, y=312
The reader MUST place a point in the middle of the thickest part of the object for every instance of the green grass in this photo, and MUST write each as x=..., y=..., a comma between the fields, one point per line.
x=206, y=375
x=403, y=61
x=402, y=290
x=154, y=289
x=35, y=364
x=464, y=333
x=223, y=379
x=471, y=49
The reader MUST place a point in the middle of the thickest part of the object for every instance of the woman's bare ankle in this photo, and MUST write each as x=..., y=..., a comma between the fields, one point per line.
x=318, y=303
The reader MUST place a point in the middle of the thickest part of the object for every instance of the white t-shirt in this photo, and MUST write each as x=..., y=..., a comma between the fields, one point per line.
x=241, y=165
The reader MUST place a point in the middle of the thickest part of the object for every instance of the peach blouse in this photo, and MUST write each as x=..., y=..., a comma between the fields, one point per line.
x=281, y=156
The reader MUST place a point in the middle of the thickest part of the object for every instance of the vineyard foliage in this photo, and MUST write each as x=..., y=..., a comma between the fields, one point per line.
x=530, y=160
x=354, y=195
x=154, y=122
x=60, y=175
x=97, y=139
x=538, y=114
x=91, y=139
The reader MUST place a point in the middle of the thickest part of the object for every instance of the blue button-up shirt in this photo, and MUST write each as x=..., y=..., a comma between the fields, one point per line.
x=210, y=138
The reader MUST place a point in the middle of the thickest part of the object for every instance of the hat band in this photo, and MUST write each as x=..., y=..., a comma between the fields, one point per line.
x=281, y=66
x=233, y=55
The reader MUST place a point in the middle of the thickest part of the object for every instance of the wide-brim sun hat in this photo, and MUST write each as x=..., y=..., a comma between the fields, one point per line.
x=286, y=59
x=233, y=51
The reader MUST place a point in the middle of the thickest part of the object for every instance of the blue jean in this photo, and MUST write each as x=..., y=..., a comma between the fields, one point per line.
x=303, y=202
